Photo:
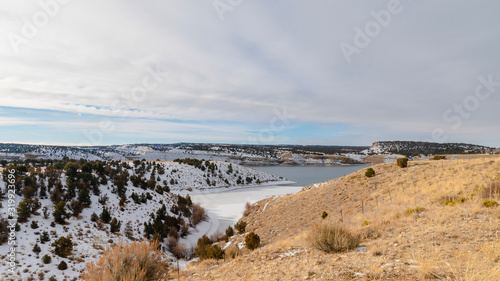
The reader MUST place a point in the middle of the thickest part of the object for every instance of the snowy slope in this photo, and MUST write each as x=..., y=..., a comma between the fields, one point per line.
x=90, y=240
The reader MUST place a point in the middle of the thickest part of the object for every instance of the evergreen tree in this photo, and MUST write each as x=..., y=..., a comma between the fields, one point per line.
x=84, y=197
x=105, y=215
x=63, y=246
x=252, y=241
x=59, y=213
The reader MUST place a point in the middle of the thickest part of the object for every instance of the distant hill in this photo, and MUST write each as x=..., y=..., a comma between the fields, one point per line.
x=236, y=153
x=244, y=154
x=413, y=148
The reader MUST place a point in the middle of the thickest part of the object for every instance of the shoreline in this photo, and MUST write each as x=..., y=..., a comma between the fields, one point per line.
x=232, y=188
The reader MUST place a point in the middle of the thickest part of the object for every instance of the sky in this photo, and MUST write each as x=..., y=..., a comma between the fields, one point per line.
x=238, y=71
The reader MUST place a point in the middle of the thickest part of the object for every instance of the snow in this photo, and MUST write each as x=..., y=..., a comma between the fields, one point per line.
x=208, y=227
x=91, y=241
x=226, y=208
x=291, y=253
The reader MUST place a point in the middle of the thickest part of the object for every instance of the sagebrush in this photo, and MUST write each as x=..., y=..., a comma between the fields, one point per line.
x=138, y=261
x=332, y=238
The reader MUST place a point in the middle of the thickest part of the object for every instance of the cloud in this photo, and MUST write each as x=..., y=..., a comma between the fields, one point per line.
x=262, y=56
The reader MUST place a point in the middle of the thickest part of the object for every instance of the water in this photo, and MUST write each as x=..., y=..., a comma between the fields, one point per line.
x=225, y=208
x=306, y=175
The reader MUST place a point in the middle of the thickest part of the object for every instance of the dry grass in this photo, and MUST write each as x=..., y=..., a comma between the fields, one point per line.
x=331, y=238
x=401, y=216
x=138, y=261
x=492, y=190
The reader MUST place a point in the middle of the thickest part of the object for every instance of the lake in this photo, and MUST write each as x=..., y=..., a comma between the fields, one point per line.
x=225, y=208
x=306, y=175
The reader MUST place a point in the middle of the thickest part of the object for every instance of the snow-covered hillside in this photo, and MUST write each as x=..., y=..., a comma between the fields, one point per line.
x=239, y=154
x=249, y=155
x=148, y=187
x=417, y=148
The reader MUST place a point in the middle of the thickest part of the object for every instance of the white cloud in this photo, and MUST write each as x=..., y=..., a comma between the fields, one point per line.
x=263, y=55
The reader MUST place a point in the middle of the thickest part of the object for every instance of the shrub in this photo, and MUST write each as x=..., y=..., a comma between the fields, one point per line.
x=416, y=210
x=94, y=217
x=44, y=237
x=490, y=203
x=129, y=231
x=217, y=236
x=240, y=226
x=202, y=246
x=76, y=207
x=4, y=230
x=138, y=261
x=454, y=200
x=205, y=249
x=232, y=252
x=60, y=213
x=229, y=231
x=324, y=215
x=252, y=241
x=248, y=209
x=103, y=199
x=198, y=214
x=26, y=208
x=370, y=172
x=402, y=162
x=115, y=225
x=46, y=259
x=34, y=224
x=215, y=252
x=63, y=246
x=62, y=265
x=36, y=248
x=438, y=157
x=53, y=278
x=105, y=215
x=331, y=238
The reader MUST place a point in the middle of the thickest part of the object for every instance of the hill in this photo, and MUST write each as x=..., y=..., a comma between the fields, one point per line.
x=96, y=204
x=415, y=148
x=235, y=153
x=427, y=221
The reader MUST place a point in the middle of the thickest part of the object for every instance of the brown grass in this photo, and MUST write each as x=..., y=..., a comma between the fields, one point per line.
x=138, y=261
x=331, y=238
x=492, y=190
x=400, y=215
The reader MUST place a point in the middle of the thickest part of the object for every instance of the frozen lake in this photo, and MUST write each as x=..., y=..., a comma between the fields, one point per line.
x=225, y=208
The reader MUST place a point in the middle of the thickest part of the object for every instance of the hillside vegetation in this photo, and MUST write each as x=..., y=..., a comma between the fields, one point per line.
x=414, y=148
x=67, y=212
x=431, y=220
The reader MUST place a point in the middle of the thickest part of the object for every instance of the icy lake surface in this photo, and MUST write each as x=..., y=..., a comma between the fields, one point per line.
x=226, y=207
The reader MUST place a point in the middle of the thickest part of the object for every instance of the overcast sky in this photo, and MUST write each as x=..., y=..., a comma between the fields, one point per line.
x=249, y=71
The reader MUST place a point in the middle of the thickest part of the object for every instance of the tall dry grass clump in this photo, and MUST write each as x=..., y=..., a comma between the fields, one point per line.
x=331, y=238
x=492, y=190
x=138, y=261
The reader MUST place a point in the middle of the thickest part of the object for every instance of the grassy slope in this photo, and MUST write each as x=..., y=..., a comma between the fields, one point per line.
x=458, y=242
